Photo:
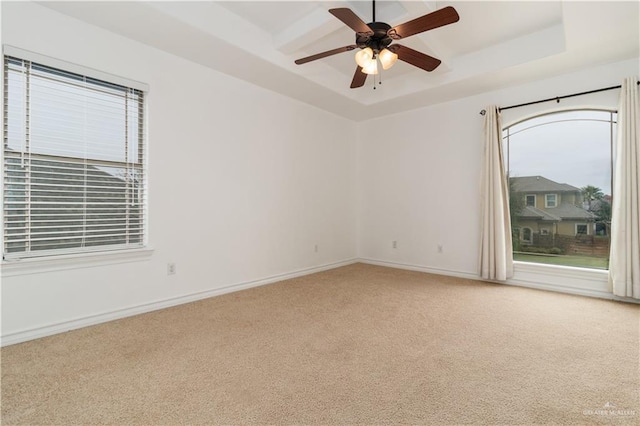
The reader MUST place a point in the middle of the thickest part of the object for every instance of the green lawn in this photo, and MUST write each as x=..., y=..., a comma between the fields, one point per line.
x=580, y=261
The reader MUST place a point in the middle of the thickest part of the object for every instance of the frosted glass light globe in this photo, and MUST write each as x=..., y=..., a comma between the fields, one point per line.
x=387, y=58
x=364, y=57
x=371, y=68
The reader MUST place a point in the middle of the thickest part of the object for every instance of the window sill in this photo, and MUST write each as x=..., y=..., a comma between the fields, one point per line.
x=560, y=270
x=10, y=268
x=566, y=279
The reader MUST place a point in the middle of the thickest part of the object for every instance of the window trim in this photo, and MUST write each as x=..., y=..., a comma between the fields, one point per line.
x=41, y=265
x=546, y=201
x=526, y=202
x=8, y=50
x=522, y=230
x=555, y=276
x=90, y=258
x=586, y=225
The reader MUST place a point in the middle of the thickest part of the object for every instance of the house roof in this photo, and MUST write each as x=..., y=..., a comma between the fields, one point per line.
x=569, y=211
x=532, y=213
x=564, y=211
x=540, y=184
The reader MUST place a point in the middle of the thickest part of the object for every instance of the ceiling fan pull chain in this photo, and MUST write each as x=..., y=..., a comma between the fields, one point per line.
x=375, y=75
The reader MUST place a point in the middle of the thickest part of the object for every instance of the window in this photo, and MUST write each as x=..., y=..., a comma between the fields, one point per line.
x=74, y=176
x=530, y=200
x=600, y=229
x=574, y=226
x=550, y=200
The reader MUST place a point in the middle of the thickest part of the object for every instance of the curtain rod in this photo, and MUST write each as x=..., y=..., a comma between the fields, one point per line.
x=557, y=98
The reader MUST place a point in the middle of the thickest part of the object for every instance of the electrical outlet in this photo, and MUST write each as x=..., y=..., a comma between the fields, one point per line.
x=171, y=268
x=394, y=244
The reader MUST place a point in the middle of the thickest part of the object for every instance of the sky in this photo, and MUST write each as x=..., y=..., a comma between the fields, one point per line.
x=563, y=147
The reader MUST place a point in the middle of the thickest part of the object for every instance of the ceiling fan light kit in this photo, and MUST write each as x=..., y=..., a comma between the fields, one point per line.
x=371, y=68
x=364, y=57
x=367, y=60
x=387, y=58
x=374, y=40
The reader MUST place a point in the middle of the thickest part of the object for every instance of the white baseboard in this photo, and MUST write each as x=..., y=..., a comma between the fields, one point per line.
x=571, y=290
x=515, y=282
x=61, y=327
x=559, y=288
x=427, y=269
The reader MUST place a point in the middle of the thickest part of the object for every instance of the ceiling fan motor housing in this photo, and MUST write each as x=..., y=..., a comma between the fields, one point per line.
x=378, y=41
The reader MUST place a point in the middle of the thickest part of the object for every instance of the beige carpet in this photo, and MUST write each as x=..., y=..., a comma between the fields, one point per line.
x=360, y=344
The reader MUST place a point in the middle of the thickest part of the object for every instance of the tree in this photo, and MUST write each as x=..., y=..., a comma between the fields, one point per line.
x=600, y=205
x=602, y=210
x=516, y=205
x=591, y=193
x=516, y=202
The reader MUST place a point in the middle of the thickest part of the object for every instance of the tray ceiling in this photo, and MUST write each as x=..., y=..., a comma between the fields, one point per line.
x=495, y=43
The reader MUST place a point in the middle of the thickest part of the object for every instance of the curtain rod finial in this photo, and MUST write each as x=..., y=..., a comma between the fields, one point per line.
x=483, y=112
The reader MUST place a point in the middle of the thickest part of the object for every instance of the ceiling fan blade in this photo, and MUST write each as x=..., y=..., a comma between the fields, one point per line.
x=358, y=78
x=325, y=54
x=352, y=20
x=439, y=18
x=415, y=58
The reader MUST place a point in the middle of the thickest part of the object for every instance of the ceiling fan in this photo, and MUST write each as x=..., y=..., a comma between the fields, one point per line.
x=375, y=38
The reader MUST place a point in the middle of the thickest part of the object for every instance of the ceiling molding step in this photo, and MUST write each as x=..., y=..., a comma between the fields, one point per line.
x=419, y=8
x=305, y=31
x=215, y=20
x=517, y=51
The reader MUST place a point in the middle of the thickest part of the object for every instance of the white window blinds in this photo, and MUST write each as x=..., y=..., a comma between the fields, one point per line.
x=74, y=177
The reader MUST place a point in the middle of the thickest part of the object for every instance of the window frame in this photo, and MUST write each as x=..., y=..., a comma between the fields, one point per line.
x=105, y=254
x=600, y=225
x=562, y=278
x=586, y=228
x=526, y=200
x=548, y=205
x=525, y=268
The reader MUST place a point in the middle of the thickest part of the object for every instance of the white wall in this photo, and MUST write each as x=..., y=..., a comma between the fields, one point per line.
x=243, y=183
x=419, y=178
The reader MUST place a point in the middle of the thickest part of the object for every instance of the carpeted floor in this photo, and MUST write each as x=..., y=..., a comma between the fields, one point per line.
x=359, y=344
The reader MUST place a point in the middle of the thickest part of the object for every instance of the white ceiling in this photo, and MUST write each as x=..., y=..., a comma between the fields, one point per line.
x=258, y=41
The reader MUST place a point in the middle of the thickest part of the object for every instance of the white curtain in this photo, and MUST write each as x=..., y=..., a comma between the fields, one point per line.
x=496, y=256
x=624, y=263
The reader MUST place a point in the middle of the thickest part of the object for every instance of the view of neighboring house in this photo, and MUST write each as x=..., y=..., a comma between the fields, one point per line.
x=66, y=205
x=550, y=208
